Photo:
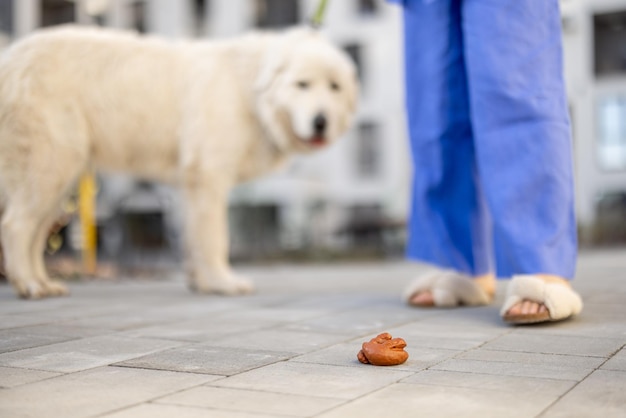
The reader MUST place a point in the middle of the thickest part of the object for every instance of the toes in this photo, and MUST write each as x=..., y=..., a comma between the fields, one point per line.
x=527, y=307
x=422, y=299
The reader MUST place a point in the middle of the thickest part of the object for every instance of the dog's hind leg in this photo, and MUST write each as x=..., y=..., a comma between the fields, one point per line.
x=53, y=287
x=19, y=228
x=24, y=230
x=30, y=209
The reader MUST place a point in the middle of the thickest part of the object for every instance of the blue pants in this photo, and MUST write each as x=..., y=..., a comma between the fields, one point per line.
x=490, y=137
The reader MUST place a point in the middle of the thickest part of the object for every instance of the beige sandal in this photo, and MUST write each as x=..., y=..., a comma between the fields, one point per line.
x=560, y=301
x=449, y=288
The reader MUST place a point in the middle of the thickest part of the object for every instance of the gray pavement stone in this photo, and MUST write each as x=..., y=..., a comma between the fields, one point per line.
x=278, y=315
x=547, y=366
x=417, y=400
x=83, y=354
x=556, y=344
x=24, y=320
x=11, y=377
x=600, y=394
x=252, y=401
x=278, y=339
x=207, y=359
x=363, y=321
x=528, y=386
x=92, y=392
x=314, y=379
x=435, y=333
x=591, y=323
x=200, y=330
x=151, y=410
x=617, y=362
x=27, y=337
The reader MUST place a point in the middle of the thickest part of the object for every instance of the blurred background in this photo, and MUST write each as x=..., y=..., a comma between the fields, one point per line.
x=350, y=200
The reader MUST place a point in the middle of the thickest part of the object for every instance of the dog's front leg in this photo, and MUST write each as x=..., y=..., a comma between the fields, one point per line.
x=206, y=223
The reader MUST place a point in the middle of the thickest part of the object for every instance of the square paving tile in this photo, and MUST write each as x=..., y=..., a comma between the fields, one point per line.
x=252, y=401
x=361, y=321
x=617, y=362
x=599, y=395
x=416, y=400
x=279, y=339
x=200, y=329
x=529, y=386
x=34, y=336
x=93, y=392
x=207, y=359
x=11, y=377
x=83, y=354
x=556, y=344
x=152, y=410
x=314, y=379
x=437, y=333
x=547, y=366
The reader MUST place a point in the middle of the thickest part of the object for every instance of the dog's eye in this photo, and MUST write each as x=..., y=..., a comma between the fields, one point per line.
x=302, y=84
x=334, y=86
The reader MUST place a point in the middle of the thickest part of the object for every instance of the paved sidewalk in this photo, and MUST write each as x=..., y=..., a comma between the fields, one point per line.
x=151, y=349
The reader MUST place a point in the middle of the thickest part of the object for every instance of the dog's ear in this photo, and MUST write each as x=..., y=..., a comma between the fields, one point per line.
x=276, y=58
x=274, y=62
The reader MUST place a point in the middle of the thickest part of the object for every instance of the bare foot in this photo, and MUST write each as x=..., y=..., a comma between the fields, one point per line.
x=487, y=282
x=527, y=307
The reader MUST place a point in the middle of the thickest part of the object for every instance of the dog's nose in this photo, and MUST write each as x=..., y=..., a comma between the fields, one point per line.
x=319, y=124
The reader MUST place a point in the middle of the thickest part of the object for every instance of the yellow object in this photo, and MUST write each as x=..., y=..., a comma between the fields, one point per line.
x=87, y=214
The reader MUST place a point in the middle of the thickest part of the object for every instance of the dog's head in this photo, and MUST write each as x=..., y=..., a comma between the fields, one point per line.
x=306, y=91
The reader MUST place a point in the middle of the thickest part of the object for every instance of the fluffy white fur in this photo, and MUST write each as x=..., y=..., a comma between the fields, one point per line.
x=201, y=115
x=560, y=300
x=449, y=288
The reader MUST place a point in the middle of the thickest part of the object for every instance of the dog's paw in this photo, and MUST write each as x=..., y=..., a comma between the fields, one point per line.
x=228, y=285
x=55, y=288
x=39, y=289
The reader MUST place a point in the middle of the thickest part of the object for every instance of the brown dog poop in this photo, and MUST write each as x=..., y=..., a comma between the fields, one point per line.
x=383, y=351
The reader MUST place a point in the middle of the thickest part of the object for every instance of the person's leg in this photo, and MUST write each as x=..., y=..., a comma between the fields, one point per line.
x=522, y=136
x=449, y=224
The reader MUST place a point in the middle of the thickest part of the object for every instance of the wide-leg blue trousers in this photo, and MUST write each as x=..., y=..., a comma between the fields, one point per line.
x=490, y=137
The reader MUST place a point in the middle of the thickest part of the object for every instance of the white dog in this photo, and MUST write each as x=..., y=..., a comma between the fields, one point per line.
x=202, y=115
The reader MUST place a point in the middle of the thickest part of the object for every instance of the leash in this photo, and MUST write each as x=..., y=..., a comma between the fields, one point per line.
x=318, y=18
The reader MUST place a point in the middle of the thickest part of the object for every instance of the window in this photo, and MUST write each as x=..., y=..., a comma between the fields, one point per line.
x=367, y=7
x=6, y=18
x=612, y=133
x=368, y=152
x=355, y=52
x=277, y=13
x=610, y=43
x=57, y=12
x=201, y=8
x=138, y=16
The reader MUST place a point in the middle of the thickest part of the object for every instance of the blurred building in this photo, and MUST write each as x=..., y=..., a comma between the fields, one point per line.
x=594, y=33
x=356, y=193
